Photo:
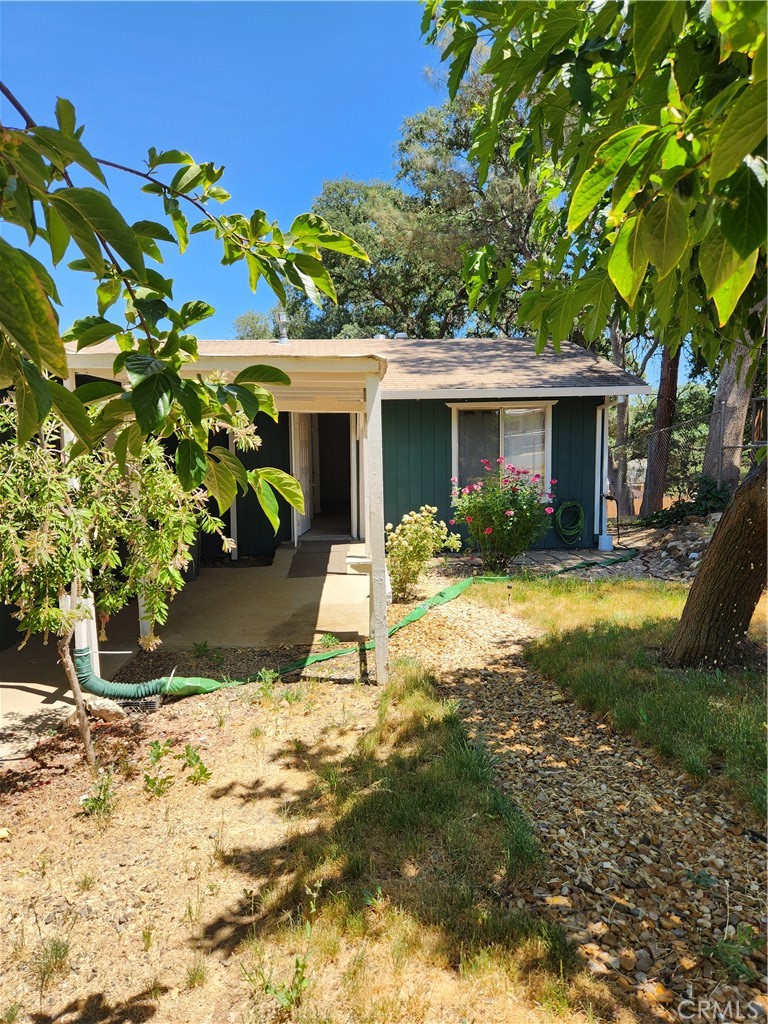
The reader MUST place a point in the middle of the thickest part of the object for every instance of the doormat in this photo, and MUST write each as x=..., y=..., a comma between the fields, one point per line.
x=244, y=562
x=319, y=558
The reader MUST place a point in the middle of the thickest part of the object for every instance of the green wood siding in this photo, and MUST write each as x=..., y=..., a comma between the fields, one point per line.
x=417, y=458
x=254, y=533
x=9, y=634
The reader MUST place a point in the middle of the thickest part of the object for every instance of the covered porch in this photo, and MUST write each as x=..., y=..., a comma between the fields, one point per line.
x=331, y=387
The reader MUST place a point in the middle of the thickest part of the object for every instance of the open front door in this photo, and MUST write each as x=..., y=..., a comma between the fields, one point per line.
x=301, y=459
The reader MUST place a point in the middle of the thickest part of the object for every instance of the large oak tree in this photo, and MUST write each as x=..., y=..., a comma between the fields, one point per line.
x=650, y=119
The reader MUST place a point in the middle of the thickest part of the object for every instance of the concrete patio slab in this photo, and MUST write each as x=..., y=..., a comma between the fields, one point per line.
x=243, y=607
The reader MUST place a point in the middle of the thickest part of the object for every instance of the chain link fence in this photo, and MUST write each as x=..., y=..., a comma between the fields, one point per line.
x=652, y=470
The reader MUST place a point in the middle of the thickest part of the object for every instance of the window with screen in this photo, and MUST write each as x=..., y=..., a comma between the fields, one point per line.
x=518, y=433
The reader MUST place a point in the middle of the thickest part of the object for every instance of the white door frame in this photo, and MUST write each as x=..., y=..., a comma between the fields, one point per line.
x=294, y=439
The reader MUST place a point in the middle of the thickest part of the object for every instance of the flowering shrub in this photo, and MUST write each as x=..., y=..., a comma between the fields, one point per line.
x=504, y=512
x=411, y=544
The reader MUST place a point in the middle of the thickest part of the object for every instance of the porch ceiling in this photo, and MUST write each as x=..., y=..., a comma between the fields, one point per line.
x=319, y=383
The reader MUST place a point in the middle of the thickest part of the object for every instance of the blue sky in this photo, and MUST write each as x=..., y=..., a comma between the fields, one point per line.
x=284, y=94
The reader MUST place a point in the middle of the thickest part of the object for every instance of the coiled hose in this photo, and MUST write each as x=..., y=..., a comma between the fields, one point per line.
x=570, y=531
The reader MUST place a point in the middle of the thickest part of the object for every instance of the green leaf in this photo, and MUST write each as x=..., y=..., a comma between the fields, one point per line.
x=728, y=294
x=220, y=484
x=743, y=130
x=187, y=178
x=193, y=312
x=27, y=414
x=151, y=401
x=82, y=234
x=664, y=233
x=65, y=116
x=107, y=294
x=120, y=447
x=744, y=212
x=651, y=21
x=72, y=411
x=26, y=314
x=39, y=387
x=96, y=390
x=718, y=260
x=191, y=464
x=286, y=485
x=71, y=149
x=58, y=234
x=247, y=399
x=168, y=156
x=139, y=366
x=309, y=227
x=664, y=291
x=90, y=331
x=151, y=229
x=98, y=212
x=181, y=227
x=310, y=276
x=262, y=374
x=266, y=498
x=233, y=464
x=627, y=262
x=595, y=182
x=185, y=393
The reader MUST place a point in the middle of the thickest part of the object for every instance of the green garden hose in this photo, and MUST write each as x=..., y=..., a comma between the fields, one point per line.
x=570, y=531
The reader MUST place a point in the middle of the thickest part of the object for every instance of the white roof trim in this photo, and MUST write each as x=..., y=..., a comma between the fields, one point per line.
x=476, y=394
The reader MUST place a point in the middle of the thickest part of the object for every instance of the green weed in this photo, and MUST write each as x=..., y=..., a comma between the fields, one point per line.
x=100, y=802
x=199, y=773
x=85, y=882
x=50, y=960
x=196, y=973
x=11, y=1013
x=732, y=952
x=328, y=641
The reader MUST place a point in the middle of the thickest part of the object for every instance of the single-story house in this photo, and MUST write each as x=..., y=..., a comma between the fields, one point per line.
x=375, y=428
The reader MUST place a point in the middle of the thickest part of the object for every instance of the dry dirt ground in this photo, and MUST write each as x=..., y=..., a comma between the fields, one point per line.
x=646, y=868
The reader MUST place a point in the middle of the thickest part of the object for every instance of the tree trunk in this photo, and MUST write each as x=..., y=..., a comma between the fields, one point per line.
x=617, y=457
x=617, y=463
x=732, y=403
x=724, y=595
x=658, y=443
x=65, y=654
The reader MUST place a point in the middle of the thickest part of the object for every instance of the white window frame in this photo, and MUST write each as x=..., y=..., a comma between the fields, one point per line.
x=456, y=408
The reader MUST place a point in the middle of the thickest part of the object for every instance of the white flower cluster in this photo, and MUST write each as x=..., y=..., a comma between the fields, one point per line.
x=410, y=545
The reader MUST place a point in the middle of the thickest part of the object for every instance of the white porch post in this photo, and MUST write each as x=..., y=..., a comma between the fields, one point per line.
x=233, y=507
x=375, y=527
x=86, y=630
x=353, y=491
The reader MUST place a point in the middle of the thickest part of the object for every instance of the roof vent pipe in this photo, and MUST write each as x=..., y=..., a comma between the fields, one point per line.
x=379, y=337
x=401, y=336
x=282, y=322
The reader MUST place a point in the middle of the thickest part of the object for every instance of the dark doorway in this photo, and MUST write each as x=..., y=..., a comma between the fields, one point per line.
x=332, y=482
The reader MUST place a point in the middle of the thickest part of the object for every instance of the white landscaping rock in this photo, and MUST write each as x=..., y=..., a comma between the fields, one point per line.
x=104, y=708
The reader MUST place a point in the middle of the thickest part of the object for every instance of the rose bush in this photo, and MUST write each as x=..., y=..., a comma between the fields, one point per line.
x=411, y=544
x=505, y=512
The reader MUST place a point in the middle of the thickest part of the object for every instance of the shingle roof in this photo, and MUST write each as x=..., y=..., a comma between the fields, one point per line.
x=461, y=367
x=447, y=368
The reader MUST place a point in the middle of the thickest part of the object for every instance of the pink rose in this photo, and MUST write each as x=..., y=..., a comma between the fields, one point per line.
x=468, y=519
x=500, y=459
x=509, y=512
x=454, y=479
x=535, y=478
x=553, y=481
x=488, y=529
x=452, y=522
x=524, y=471
x=549, y=510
